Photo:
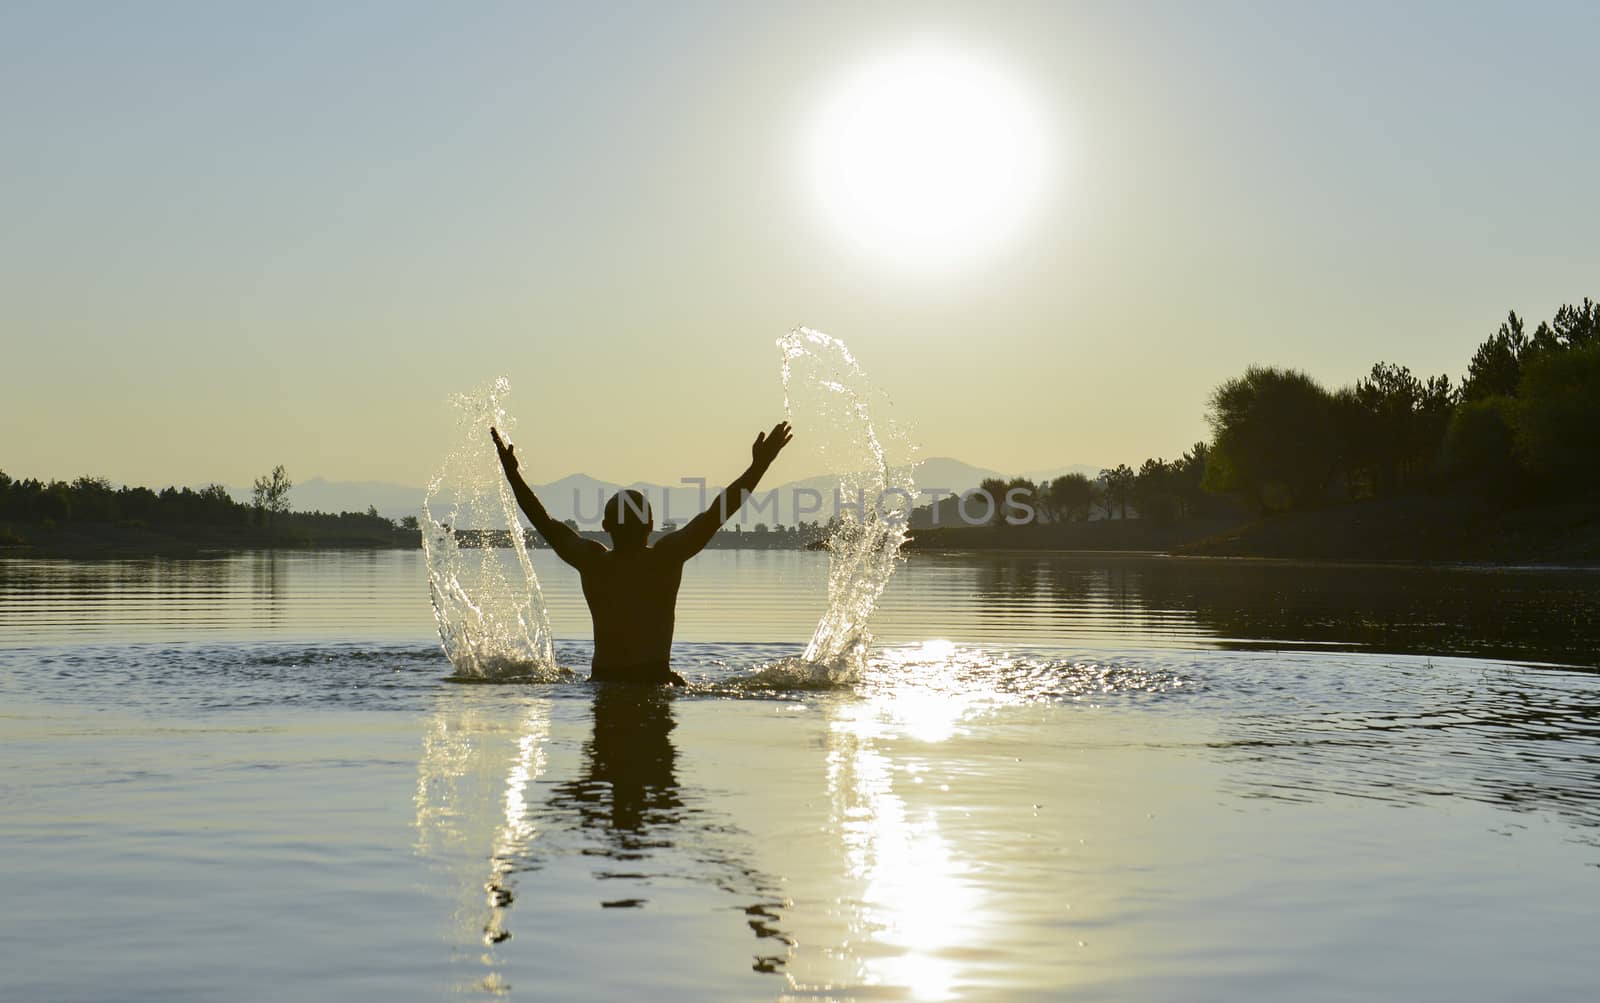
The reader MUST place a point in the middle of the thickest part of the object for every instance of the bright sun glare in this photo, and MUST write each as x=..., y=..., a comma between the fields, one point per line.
x=928, y=157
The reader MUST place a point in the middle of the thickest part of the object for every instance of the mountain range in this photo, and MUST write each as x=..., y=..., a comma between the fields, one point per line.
x=580, y=496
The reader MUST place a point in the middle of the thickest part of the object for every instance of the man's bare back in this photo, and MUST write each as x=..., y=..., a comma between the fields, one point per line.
x=632, y=597
x=632, y=586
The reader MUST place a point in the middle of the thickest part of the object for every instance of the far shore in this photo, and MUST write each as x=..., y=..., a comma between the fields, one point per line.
x=1417, y=529
x=103, y=540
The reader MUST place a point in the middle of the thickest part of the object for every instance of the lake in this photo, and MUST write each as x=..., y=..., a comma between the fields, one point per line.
x=1088, y=776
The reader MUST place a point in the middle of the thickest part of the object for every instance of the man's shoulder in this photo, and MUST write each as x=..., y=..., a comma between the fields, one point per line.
x=590, y=554
x=668, y=554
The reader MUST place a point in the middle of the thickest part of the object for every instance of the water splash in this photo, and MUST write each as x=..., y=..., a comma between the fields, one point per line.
x=849, y=423
x=491, y=627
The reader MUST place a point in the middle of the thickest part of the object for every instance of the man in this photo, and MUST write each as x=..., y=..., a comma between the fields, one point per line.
x=632, y=586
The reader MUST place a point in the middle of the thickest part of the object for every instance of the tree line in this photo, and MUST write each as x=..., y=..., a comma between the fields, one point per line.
x=1522, y=425
x=1160, y=489
x=56, y=504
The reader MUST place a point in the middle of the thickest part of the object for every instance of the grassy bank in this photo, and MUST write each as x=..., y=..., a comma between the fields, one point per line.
x=1421, y=528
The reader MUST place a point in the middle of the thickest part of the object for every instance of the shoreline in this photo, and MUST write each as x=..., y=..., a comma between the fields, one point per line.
x=1411, y=530
x=97, y=541
x=1464, y=563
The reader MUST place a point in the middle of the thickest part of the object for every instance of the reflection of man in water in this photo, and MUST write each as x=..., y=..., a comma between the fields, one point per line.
x=632, y=586
x=629, y=783
x=627, y=794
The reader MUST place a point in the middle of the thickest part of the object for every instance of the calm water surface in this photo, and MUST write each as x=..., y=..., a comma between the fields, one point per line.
x=1061, y=777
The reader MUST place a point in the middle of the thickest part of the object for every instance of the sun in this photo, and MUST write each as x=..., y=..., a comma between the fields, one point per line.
x=928, y=157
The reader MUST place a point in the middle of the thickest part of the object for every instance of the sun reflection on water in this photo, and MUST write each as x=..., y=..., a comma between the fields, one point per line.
x=918, y=902
x=472, y=759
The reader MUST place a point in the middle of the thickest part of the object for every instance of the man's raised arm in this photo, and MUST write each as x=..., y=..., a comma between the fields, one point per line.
x=692, y=538
x=563, y=539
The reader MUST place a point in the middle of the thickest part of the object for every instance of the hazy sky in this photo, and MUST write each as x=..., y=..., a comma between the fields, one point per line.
x=233, y=236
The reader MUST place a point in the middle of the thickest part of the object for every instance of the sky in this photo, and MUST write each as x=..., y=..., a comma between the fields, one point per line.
x=233, y=236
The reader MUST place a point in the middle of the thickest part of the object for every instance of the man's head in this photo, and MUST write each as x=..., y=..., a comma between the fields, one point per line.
x=627, y=518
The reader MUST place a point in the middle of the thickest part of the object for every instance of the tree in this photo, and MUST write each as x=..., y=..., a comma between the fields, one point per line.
x=1069, y=497
x=1480, y=449
x=1153, y=492
x=409, y=524
x=53, y=504
x=1496, y=367
x=93, y=500
x=1557, y=415
x=1577, y=326
x=1354, y=433
x=1400, y=428
x=1116, y=487
x=271, y=495
x=1188, y=477
x=1027, y=493
x=1097, y=497
x=995, y=488
x=1274, y=438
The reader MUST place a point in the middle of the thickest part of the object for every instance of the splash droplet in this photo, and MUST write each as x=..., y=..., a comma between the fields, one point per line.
x=828, y=396
x=491, y=625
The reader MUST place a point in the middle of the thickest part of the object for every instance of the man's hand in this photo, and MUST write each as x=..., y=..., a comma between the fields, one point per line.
x=508, y=454
x=767, y=445
x=684, y=543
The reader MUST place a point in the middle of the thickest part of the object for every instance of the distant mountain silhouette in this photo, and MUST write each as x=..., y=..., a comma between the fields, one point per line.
x=579, y=496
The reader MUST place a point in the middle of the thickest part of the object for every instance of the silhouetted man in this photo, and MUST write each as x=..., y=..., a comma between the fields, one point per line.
x=632, y=587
